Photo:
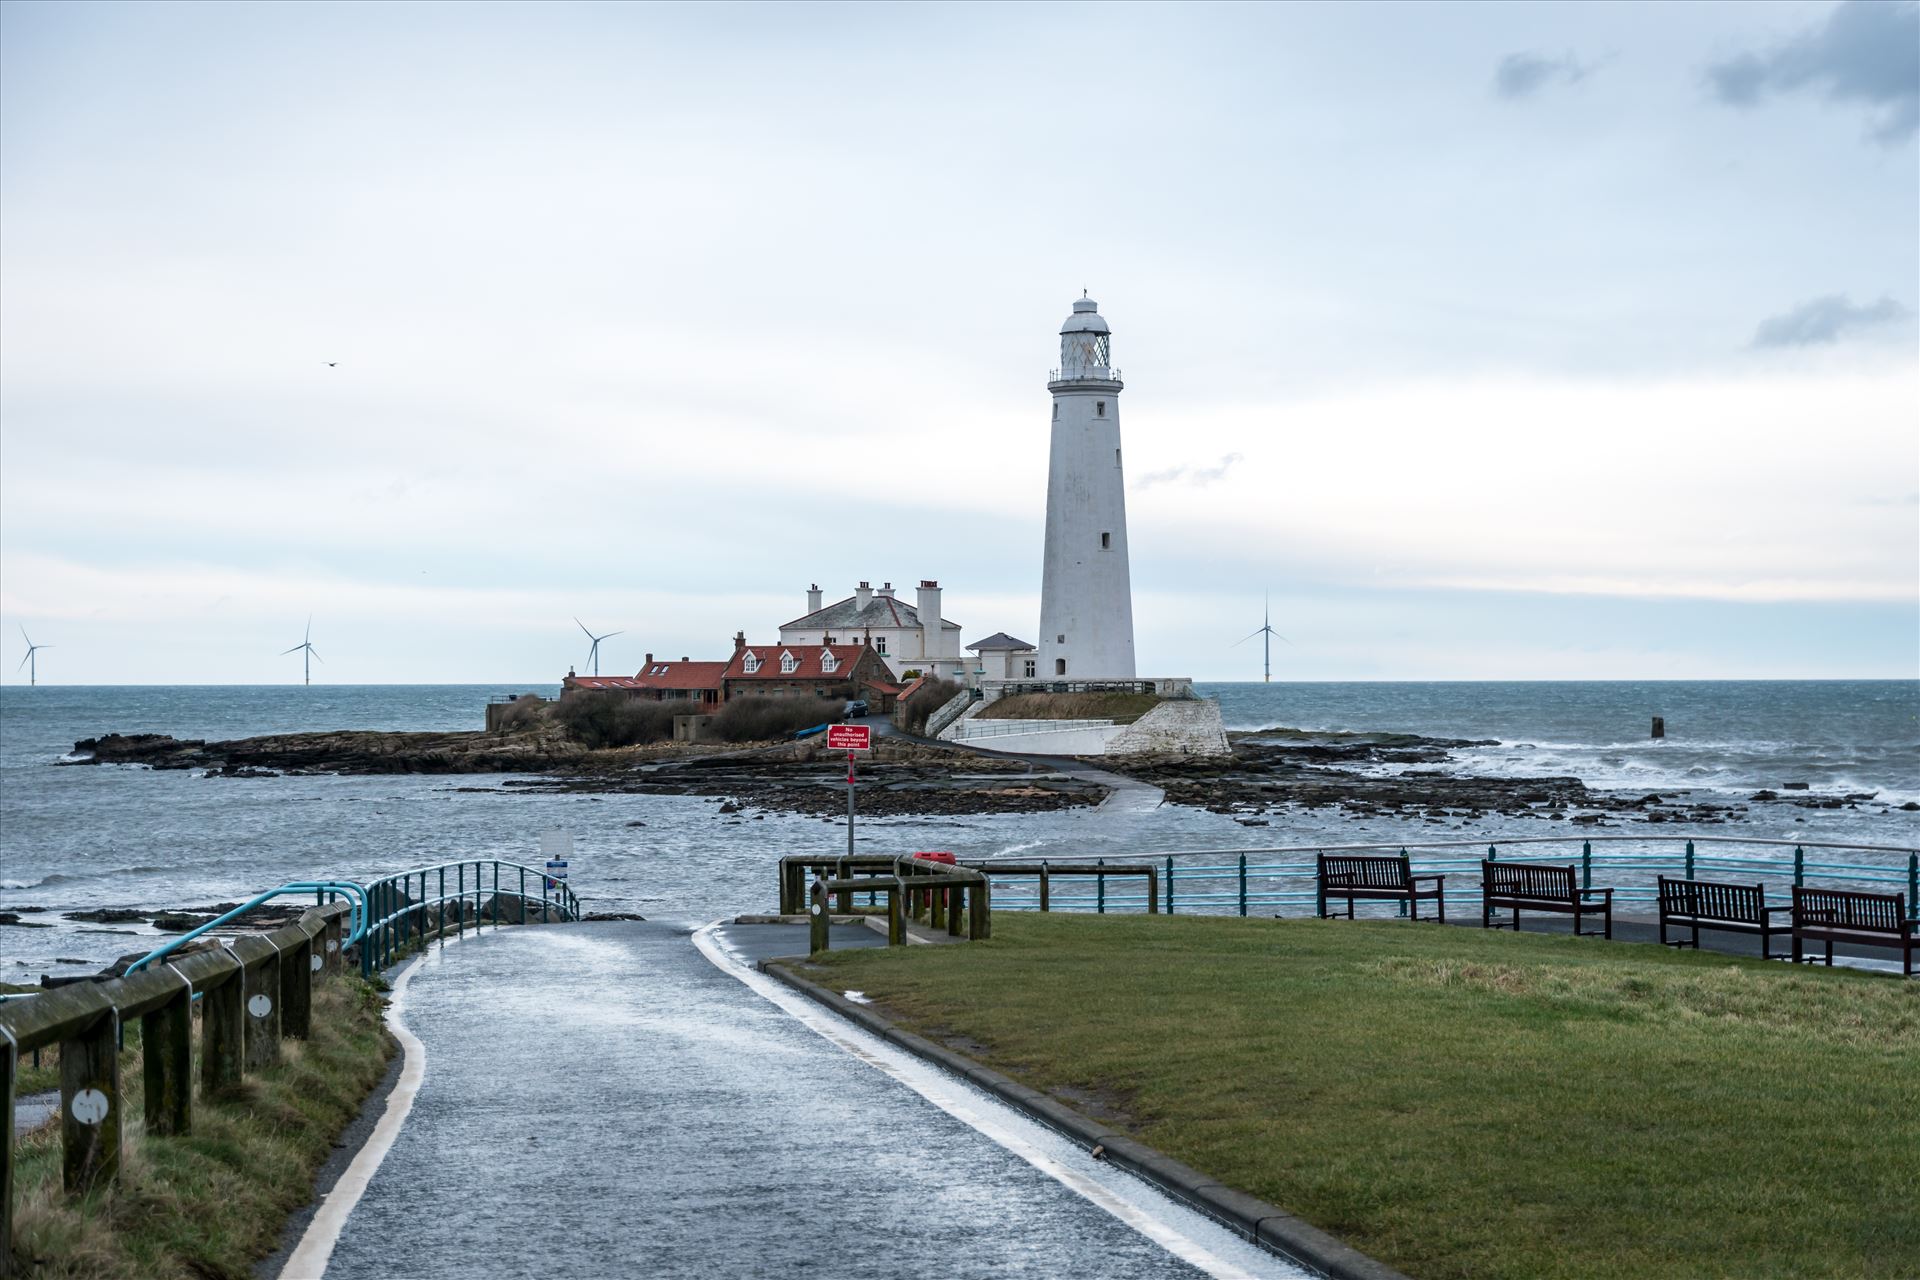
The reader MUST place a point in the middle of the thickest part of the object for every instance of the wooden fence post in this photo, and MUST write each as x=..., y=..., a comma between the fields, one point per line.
x=818, y=921
x=1046, y=898
x=956, y=911
x=223, y=1018
x=331, y=950
x=296, y=990
x=11, y=1070
x=260, y=978
x=90, y=1105
x=896, y=917
x=166, y=1064
x=979, y=919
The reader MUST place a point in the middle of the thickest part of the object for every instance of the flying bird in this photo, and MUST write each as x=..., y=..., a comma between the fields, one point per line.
x=333, y=364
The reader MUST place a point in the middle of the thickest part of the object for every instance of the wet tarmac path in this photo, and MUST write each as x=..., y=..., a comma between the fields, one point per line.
x=605, y=1100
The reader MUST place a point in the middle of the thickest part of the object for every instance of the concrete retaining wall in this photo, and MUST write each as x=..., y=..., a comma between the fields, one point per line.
x=1178, y=727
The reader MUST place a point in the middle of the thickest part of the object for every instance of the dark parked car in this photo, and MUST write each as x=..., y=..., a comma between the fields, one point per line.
x=855, y=709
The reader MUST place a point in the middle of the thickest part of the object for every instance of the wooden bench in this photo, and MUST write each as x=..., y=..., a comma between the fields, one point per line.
x=1712, y=904
x=1513, y=886
x=1863, y=919
x=1377, y=879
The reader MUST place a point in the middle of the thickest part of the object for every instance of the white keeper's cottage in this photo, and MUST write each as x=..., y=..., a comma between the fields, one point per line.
x=911, y=637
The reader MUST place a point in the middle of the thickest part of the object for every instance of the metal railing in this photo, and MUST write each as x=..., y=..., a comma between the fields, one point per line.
x=398, y=917
x=968, y=730
x=1241, y=881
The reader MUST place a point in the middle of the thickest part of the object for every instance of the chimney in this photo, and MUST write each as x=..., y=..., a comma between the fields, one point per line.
x=929, y=606
x=886, y=591
x=647, y=663
x=739, y=642
x=863, y=595
x=685, y=658
x=813, y=598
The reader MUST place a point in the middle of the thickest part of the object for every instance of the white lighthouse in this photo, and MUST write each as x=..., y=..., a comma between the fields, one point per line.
x=1086, y=592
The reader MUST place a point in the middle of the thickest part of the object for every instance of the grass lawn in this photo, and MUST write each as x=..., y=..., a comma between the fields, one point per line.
x=1121, y=708
x=1460, y=1103
x=210, y=1203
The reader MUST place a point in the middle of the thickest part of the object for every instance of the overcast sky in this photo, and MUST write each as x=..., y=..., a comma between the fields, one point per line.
x=1495, y=341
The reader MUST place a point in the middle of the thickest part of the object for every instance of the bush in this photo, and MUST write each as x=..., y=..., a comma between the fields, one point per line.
x=761, y=719
x=524, y=712
x=601, y=718
x=926, y=700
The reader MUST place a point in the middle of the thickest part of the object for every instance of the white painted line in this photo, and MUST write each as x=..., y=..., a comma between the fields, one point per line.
x=309, y=1259
x=1188, y=1235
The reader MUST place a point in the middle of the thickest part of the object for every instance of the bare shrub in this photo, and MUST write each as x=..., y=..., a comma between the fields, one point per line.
x=926, y=700
x=760, y=719
x=600, y=718
x=525, y=712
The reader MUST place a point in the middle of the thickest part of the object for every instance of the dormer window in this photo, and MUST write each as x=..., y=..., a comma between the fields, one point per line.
x=788, y=663
x=750, y=663
x=828, y=662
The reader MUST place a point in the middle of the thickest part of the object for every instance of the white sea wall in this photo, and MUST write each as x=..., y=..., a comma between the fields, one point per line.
x=1176, y=727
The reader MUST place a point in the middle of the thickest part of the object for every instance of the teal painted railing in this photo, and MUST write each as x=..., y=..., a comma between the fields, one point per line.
x=388, y=915
x=1241, y=881
x=410, y=906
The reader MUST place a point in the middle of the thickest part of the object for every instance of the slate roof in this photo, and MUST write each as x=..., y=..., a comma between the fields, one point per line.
x=883, y=613
x=998, y=642
x=809, y=668
x=661, y=675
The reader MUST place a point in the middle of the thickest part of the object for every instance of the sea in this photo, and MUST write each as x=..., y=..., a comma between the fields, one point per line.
x=74, y=838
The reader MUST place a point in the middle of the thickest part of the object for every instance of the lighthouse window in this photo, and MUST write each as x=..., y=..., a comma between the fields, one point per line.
x=1100, y=408
x=1106, y=542
x=1116, y=457
x=1056, y=412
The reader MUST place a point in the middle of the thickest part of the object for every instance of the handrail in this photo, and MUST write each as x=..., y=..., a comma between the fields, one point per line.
x=317, y=887
x=396, y=917
x=1484, y=841
x=1234, y=880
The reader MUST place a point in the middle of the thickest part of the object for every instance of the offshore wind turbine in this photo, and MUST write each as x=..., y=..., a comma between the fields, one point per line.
x=1266, y=629
x=593, y=650
x=33, y=667
x=311, y=654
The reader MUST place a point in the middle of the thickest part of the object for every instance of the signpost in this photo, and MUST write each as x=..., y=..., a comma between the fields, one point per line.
x=557, y=845
x=849, y=738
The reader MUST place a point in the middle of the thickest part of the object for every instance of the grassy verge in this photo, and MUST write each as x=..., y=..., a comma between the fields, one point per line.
x=1459, y=1103
x=1121, y=708
x=210, y=1203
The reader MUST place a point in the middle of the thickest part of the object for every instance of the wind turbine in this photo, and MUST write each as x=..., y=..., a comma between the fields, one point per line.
x=593, y=651
x=1266, y=629
x=311, y=653
x=33, y=668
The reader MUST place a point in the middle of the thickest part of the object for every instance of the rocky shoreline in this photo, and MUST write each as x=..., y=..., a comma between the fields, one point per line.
x=1370, y=775
x=1365, y=775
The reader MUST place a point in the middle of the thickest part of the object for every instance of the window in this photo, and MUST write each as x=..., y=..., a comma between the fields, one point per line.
x=1056, y=411
x=1029, y=668
x=880, y=645
x=1100, y=408
x=1106, y=542
x=788, y=663
x=1059, y=639
x=1059, y=666
x=1116, y=457
x=750, y=663
x=828, y=662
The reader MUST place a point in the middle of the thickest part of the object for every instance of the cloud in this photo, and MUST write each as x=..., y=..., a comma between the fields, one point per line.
x=1867, y=51
x=1521, y=75
x=1193, y=477
x=1821, y=320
